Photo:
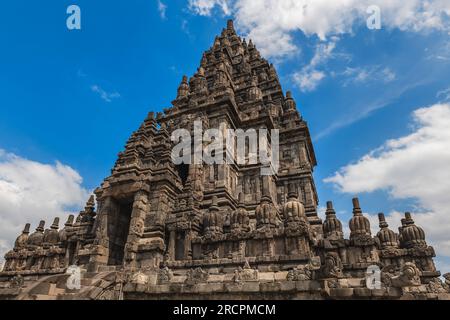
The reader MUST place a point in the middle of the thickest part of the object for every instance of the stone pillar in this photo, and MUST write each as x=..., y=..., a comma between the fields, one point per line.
x=303, y=155
x=269, y=250
x=172, y=240
x=303, y=246
x=221, y=176
x=308, y=194
x=258, y=188
x=100, y=252
x=343, y=255
x=246, y=181
x=187, y=245
x=161, y=197
x=290, y=245
x=140, y=209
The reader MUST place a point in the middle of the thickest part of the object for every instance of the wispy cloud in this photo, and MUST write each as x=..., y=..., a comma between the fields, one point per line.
x=205, y=7
x=364, y=109
x=185, y=29
x=444, y=95
x=106, y=96
x=310, y=76
x=162, y=8
x=81, y=74
x=440, y=53
x=369, y=74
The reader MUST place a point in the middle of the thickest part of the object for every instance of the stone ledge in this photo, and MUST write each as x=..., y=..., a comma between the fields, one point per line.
x=227, y=287
x=32, y=272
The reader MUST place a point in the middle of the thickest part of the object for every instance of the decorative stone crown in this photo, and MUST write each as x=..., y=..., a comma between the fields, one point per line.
x=412, y=235
x=213, y=220
x=387, y=237
x=359, y=224
x=332, y=227
x=293, y=210
x=51, y=236
x=239, y=219
x=21, y=240
x=37, y=237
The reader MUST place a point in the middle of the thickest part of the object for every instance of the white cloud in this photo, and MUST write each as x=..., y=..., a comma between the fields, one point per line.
x=308, y=80
x=271, y=23
x=31, y=191
x=309, y=77
x=416, y=166
x=106, y=96
x=205, y=7
x=162, y=8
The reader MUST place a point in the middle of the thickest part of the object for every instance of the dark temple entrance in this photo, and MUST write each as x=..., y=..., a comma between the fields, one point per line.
x=183, y=172
x=118, y=229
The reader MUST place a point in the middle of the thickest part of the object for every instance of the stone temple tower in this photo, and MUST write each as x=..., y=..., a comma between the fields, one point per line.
x=190, y=230
x=151, y=209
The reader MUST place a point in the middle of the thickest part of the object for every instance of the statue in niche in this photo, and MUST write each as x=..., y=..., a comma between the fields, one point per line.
x=253, y=185
x=198, y=187
x=333, y=266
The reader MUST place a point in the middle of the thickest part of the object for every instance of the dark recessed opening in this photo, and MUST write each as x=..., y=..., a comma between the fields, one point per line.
x=118, y=228
x=183, y=172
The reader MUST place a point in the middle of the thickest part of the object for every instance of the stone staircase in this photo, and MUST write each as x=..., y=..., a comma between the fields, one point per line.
x=55, y=287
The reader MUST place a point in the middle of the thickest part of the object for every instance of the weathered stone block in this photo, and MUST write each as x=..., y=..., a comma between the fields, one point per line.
x=266, y=276
x=129, y=287
x=210, y=287
x=141, y=287
x=341, y=292
x=379, y=292
x=250, y=286
x=270, y=287
x=362, y=292
x=216, y=278
x=287, y=286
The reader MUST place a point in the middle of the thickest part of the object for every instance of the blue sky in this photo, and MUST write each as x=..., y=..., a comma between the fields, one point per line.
x=76, y=96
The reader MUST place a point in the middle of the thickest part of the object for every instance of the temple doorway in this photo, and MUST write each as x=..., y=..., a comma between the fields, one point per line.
x=183, y=172
x=118, y=229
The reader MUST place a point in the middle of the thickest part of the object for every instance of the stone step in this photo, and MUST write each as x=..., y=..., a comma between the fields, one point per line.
x=44, y=297
x=57, y=291
x=107, y=268
x=86, y=282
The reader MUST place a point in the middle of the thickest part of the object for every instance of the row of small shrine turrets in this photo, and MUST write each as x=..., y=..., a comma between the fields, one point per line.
x=52, y=249
x=409, y=234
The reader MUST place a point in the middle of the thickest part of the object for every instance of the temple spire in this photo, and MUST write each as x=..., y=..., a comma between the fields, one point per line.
x=332, y=227
x=230, y=25
x=55, y=224
x=183, y=89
